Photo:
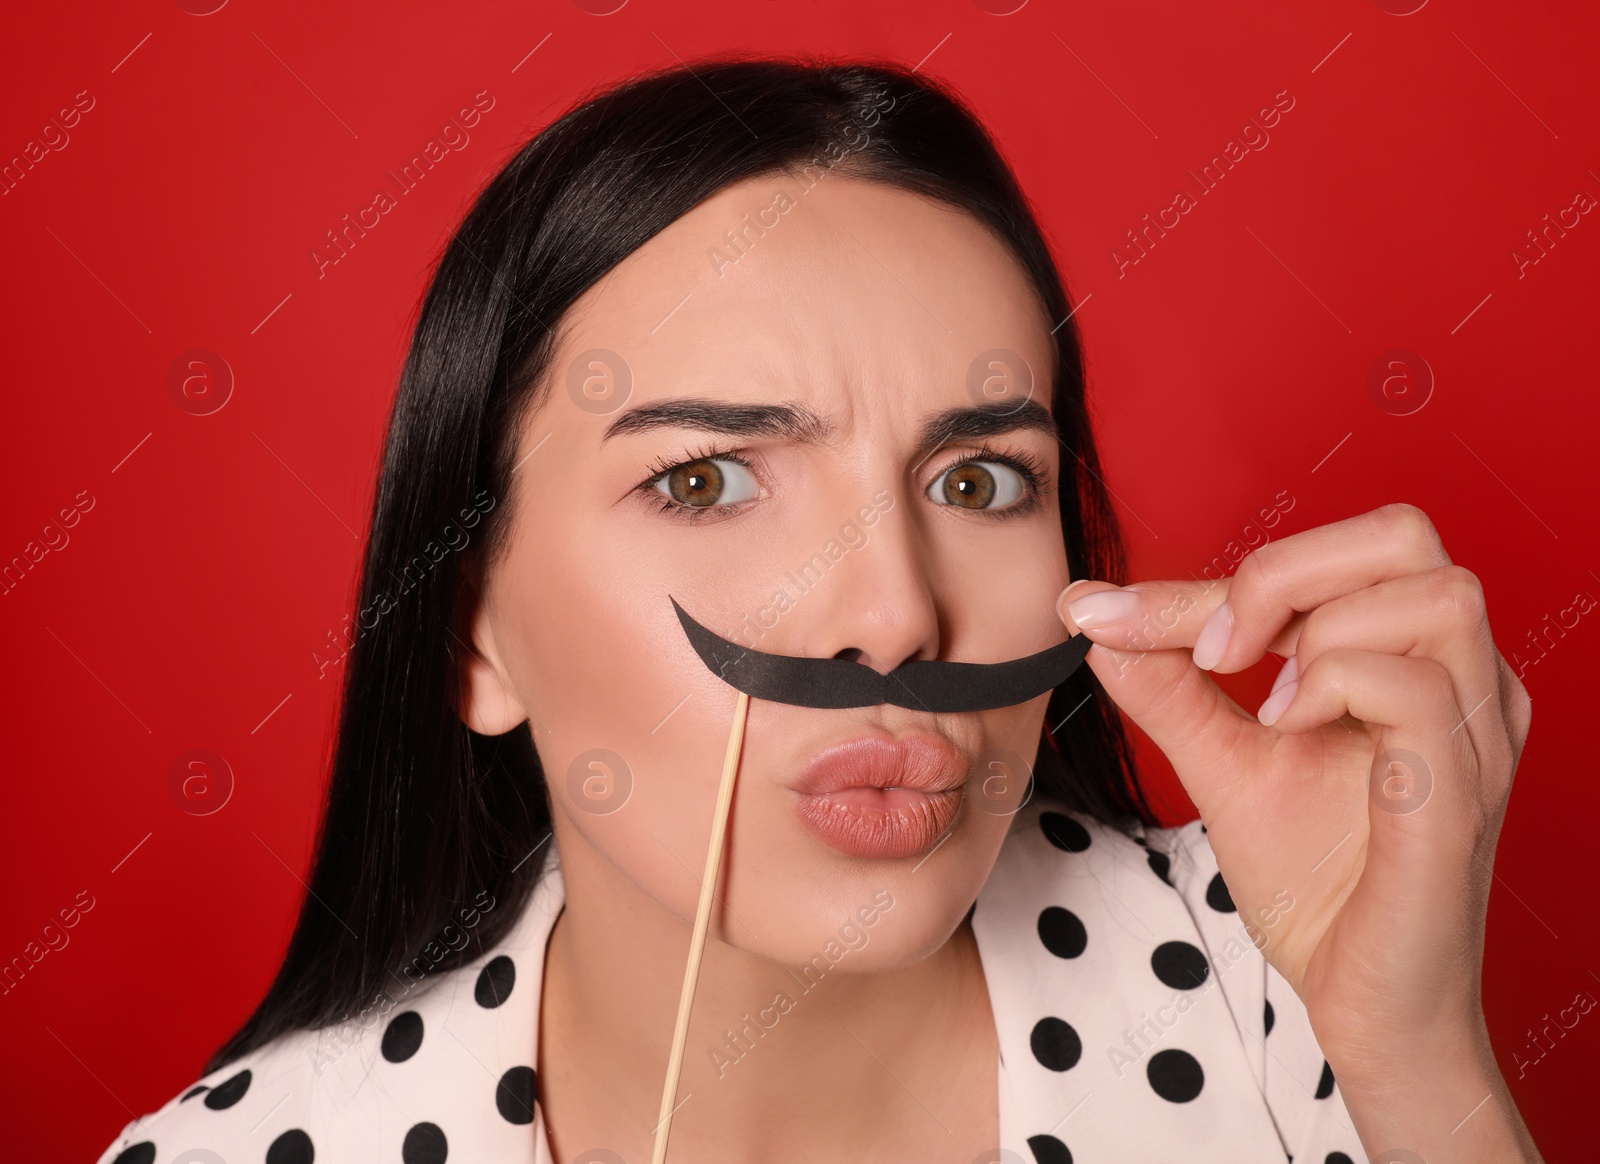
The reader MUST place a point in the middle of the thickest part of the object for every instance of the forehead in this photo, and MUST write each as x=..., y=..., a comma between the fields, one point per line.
x=851, y=296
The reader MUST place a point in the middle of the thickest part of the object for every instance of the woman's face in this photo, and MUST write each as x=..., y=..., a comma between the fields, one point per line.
x=827, y=529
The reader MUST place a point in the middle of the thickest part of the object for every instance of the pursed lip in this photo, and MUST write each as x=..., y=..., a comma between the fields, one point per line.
x=921, y=761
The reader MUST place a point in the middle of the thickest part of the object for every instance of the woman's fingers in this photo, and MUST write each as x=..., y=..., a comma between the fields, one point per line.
x=1425, y=783
x=1305, y=570
x=1438, y=614
x=1379, y=585
x=1229, y=624
x=1415, y=695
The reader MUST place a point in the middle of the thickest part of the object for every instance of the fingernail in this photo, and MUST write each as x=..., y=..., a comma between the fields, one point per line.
x=1213, y=639
x=1105, y=607
x=1287, y=672
x=1278, y=702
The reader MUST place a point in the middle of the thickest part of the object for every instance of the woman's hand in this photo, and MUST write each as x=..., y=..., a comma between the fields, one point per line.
x=1355, y=820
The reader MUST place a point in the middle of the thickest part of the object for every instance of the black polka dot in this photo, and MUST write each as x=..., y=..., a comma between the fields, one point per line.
x=1063, y=832
x=194, y=1091
x=228, y=1092
x=1175, y=1075
x=1062, y=933
x=402, y=1036
x=1055, y=1044
x=1325, y=1084
x=1049, y=1150
x=516, y=1093
x=1162, y=864
x=1337, y=1158
x=1268, y=1018
x=1179, y=965
x=293, y=1147
x=495, y=982
x=143, y=1152
x=1218, y=897
x=425, y=1144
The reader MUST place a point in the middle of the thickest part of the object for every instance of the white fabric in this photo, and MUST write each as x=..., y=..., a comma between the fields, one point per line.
x=336, y=1095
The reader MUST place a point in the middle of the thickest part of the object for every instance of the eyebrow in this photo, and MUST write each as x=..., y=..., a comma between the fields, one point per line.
x=795, y=422
x=1000, y=416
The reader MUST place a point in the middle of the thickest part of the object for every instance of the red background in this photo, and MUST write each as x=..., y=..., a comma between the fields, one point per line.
x=1228, y=365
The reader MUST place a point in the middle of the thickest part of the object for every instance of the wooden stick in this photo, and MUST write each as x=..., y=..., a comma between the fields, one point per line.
x=702, y=923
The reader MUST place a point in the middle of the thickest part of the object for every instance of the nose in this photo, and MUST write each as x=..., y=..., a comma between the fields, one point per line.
x=875, y=605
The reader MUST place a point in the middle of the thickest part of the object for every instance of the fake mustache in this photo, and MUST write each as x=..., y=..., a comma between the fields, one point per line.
x=922, y=685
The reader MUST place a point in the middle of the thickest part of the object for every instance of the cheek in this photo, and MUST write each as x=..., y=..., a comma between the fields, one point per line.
x=1043, y=561
x=1005, y=752
x=630, y=729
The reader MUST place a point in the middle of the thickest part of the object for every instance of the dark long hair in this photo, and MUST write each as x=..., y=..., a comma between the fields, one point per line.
x=425, y=817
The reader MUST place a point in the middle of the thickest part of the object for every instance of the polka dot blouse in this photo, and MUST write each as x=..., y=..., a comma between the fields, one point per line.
x=1137, y=1022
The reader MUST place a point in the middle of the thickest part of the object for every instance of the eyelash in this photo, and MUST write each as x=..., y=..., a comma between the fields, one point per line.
x=1025, y=465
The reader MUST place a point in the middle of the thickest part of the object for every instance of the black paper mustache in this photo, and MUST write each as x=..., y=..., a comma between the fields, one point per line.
x=923, y=684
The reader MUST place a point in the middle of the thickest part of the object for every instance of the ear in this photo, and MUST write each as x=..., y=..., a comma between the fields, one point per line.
x=485, y=700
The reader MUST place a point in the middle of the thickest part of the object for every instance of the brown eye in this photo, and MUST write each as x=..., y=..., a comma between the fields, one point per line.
x=977, y=485
x=708, y=481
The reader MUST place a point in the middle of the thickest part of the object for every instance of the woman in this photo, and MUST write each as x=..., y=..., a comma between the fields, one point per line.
x=782, y=343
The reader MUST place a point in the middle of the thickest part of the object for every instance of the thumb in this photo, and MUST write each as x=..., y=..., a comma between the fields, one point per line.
x=1140, y=660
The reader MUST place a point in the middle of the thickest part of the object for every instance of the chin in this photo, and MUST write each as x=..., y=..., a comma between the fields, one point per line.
x=865, y=917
